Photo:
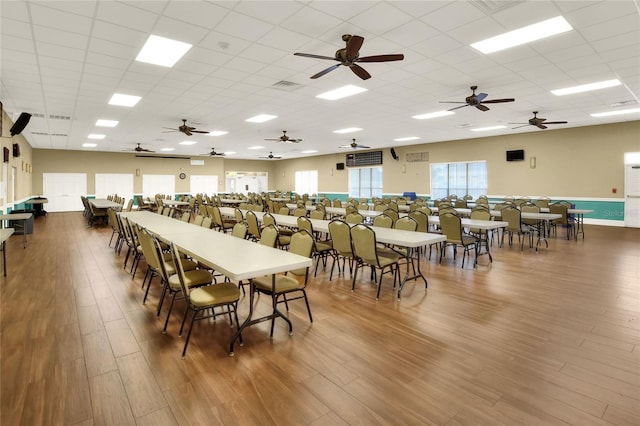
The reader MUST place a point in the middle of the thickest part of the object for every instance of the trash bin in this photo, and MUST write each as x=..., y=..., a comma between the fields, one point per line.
x=19, y=225
x=411, y=195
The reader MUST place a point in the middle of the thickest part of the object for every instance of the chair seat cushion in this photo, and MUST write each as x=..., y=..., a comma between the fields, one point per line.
x=187, y=265
x=195, y=278
x=283, y=283
x=214, y=294
x=324, y=245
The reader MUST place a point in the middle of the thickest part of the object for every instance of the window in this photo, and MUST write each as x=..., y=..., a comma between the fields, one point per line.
x=158, y=184
x=459, y=179
x=306, y=181
x=114, y=183
x=365, y=182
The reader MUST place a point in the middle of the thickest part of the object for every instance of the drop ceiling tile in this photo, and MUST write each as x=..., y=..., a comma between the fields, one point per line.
x=436, y=45
x=623, y=40
x=600, y=12
x=454, y=15
x=178, y=30
x=57, y=51
x=265, y=55
x=413, y=30
x=370, y=18
x=84, y=8
x=225, y=44
x=118, y=34
x=45, y=16
x=202, y=14
x=62, y=38
x=123, y=14
x=16, y=29
x=311, y=22
x=243, y=27
x=475, y=31
x=114, y=50
x=343, y=10
x=613, y=27
x=273, y=12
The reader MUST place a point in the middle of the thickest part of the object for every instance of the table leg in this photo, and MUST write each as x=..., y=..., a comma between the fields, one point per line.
x=24, y=233
x=409, y=258
x=4, y=257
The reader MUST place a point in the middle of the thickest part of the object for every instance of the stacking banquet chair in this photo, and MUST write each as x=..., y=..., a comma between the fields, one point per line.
x=193, y=279
x=281, y=286
x=133, y=246
x=322, y=248
x=150, y=253
x=451, y=226
x=252, y=223
x=202, y=299
x=406, y=224
x=284, y=236
x=366, y=252
x=513, y=216
x=354, y=218
x=383, y=221
x=269, y=236
x=564, y=221
x=115, y=226
x=341, y=236
x=240, y=230
x=220, y=223
x=535, y=226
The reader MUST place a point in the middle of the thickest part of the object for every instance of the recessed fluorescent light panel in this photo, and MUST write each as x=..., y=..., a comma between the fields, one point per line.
x=410, y=138
x=433, y=115
x=342, y=92
x=96, y=136
x=124, y=100
x=523, y=35
x=162, y=51
x=106, y=123
x=587, y=87
x=348, y=130
x=188, y=143
x=261, y=118
x=89, y=145
x=484, y=129
x=217, y=133
x=167, y=149
x=255, y=147
x=619, y=112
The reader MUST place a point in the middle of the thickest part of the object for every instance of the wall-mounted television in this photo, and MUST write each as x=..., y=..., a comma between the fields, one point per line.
x=515, y=155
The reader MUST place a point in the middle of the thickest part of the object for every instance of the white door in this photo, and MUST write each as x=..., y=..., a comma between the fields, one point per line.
x=63, y=190
x=632, y=195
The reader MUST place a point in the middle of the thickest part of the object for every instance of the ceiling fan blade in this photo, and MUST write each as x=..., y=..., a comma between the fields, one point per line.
x=381, y=58
x=325, y=71
x=555, y=122
x=480, y=97
x=499, y=101
x=309, y=55
x=521, y=125
x=360, y=72
x=171, y=128
x=276, y=140
x=354, y=45
x=482, y=107
x=451, y=102
x=541, y=126
x=199, y=131
x=458, y=107
x=362, y=146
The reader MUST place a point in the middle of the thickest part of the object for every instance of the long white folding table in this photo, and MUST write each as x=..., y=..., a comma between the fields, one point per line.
x=103, y=203
x=236, y=258
x=4, y=236
x=24, y=217
x=482, y=225
x=411, y=240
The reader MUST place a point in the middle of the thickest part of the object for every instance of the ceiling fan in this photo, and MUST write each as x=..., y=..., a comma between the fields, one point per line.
x=285, y=138
x=139, y=148
x=214, y=153
x=271, y=156
x=354, y=145
x=477, y=101
x=187, y=130
x=540, y=123
x=350, y=55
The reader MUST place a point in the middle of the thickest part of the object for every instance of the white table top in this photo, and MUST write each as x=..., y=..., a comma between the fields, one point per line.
x=175, y=202
x=103, y=203
x=16, y=216
x=5, y=234
x=474, y=223
x=37, y=201
x=231, y=201
x=236, y=258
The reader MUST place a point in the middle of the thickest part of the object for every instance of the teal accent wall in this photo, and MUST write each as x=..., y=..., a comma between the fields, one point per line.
x=607, y=210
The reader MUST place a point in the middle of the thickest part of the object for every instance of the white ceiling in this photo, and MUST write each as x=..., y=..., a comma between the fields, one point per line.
x=62, y=61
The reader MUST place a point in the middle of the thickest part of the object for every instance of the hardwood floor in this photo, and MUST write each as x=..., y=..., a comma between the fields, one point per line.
x=535, y=338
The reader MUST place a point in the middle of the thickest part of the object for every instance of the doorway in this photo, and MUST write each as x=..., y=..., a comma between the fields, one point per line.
x=632, y=189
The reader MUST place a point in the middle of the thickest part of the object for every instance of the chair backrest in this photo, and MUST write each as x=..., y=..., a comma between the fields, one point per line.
x=512, y=216
x=447, y=209
x=317, y=214
x=350, y=209
x=185, y=217
x=480, y=214
x=305, y=224
x=393, y=205
x=559, y=208
x=393, y=214
x=340, y=234
x=207, y=222
x=147, y=246
x=238, y=214
x=421, y=219
x=380, y=207
x=363, y=206
x=337, y=202
x=542, y=202
x=130, y=205
x=240, y=230
x=529, y=208
x=383, y=221
x=450, y=225
x=300, y=211
x=175, y=255
x=252, y=223
x=364, y=244
x=426, y=210
x=301, y=244
x=406, y=223
x=162, y=267
x=269, y=236
x=482, y=201
x=284, y=210
x=198, y=220
x=354, y=218
x=461, y=204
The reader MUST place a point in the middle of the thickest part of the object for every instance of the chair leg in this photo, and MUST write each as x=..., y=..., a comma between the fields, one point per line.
x=186, y=341
x=166, y=321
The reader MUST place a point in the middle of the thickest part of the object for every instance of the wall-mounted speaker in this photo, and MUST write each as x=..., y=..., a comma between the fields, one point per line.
x=20, y=124
x=5, y=151
x=16, y=150
x=339, y=166
x=393, y=154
